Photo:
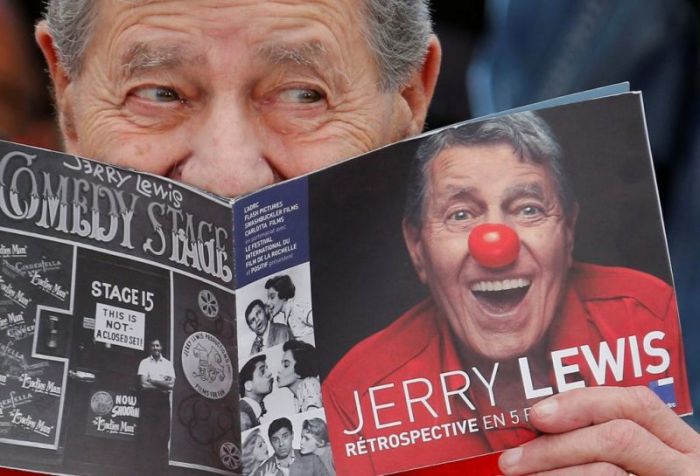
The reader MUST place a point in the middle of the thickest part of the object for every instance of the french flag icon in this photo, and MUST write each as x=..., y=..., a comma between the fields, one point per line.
x=665, y=390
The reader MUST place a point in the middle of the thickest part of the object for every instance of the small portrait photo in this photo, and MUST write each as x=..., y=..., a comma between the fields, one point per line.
x=273, y=310
x=282, y=381
x=298, y=442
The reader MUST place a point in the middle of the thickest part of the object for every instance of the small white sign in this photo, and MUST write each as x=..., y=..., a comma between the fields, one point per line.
x=119, y=326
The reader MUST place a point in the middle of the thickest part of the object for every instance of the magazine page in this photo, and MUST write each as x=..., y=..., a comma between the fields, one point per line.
x=116, y=321
x=459, y=278
x=280, y=390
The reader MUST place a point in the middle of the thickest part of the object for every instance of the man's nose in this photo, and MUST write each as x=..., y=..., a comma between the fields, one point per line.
x=494, y=245
x=227, y=152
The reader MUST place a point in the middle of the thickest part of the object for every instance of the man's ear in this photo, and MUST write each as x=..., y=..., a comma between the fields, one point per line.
x=414, y=244
x=418, y=92
x=60, y=79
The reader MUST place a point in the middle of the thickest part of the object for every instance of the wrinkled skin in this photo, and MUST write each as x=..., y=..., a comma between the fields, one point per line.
x=234, y=95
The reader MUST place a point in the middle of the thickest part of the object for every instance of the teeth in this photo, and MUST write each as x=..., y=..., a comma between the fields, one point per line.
x=502, y=285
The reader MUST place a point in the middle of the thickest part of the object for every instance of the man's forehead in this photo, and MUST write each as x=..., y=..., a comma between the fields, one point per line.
x=472, y=161
x=146, y=34
x=450, y=174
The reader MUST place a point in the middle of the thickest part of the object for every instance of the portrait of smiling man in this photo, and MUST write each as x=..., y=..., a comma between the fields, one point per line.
x=267, y=334
x=233, y=95
x=498, y=311
x=489, y=226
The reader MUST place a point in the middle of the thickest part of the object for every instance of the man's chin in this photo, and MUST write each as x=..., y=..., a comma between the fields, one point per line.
x=499, y=348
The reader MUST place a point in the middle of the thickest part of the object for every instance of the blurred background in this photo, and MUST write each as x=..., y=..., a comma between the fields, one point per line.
x=500, y=54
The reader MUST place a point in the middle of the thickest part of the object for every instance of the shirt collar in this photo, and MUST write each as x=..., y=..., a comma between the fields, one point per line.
x=289, y=459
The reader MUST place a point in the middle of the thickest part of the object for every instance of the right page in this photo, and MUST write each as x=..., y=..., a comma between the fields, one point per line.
x=458, y=278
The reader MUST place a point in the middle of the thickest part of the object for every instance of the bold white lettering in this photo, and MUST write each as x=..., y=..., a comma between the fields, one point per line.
x=636, y=361
x=605, y=360
x=656, y=352
x=561, y=370
x=530, y=392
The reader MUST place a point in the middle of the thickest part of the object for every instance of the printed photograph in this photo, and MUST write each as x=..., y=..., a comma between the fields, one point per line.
x=274, y=310
x=539, y=264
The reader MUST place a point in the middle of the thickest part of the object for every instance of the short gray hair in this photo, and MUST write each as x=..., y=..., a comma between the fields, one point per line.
x=70, y=23
x=528, y=134
x=398, y=32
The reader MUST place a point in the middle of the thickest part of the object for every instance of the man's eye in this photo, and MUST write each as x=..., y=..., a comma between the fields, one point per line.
x=301, y=95
x=158, y=94
x=460, y=215
x=530, y=211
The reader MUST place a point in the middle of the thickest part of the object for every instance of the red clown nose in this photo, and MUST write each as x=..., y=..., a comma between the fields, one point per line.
x=494, y=245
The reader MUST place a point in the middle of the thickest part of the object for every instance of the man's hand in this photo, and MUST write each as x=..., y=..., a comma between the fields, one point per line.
x=270, y=469
x=606, y=430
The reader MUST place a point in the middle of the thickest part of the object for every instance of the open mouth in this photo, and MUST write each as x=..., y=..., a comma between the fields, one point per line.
x=501, y=297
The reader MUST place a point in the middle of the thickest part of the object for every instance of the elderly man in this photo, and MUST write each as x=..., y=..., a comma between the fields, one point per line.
x=232, y=95
x=489, y=226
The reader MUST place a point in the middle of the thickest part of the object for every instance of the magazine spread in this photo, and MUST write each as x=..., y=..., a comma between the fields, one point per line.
x=402, y=309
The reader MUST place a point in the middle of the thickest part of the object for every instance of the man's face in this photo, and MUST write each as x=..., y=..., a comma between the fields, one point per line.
x=257, y=320
x=287, y=376
x=468, y=186
x=231, y=95
x=155, y=349
x=262, y=379
x=274, y=301
x=281, y=442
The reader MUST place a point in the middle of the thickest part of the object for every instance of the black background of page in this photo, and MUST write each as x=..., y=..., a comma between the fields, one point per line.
x=361, y=275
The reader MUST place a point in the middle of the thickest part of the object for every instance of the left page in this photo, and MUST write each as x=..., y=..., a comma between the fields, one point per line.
x=117, y=335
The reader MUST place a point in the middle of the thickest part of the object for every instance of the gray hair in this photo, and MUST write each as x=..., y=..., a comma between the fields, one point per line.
x=397, y=31
x=398, y=34
x=70, y=23
x=532, y=141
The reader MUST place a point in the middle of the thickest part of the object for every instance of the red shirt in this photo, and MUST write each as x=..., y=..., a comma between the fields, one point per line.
x=417, y=351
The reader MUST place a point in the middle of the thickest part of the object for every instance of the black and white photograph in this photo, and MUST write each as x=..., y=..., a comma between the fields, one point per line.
x=276, y=309
x=299, y=443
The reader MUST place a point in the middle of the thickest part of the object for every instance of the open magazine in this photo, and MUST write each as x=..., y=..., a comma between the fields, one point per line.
x=401, y=309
